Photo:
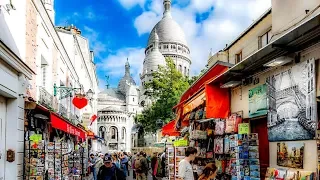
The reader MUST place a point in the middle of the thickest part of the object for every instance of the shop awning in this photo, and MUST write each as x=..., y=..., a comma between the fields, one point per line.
x=213, y=72
x=61, y=124
x=169, y=129
x=90, y=133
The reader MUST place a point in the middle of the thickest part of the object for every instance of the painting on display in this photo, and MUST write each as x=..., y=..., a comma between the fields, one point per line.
x=292, y=103
x=258, y=101
x=290, y=154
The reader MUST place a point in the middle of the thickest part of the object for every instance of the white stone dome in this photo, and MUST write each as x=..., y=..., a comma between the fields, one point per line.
x=168, y=31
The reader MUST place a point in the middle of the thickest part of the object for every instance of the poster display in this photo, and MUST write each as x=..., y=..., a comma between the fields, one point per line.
x=292, y=103
x=290, y=154
x=258, y=101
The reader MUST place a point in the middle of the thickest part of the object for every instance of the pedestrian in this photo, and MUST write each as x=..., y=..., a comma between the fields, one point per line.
x=163, y=163
x=123, y=161
x=209, y=172
x=92, y=163
x=154, y=165
x=116, y=160
x=141, y=166
x=109, y=171
x=185, y=171
x=99, y=162
x=132, y=165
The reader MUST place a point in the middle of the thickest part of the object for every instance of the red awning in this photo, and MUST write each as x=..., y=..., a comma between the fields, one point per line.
x=212, y=73
x=169, y=129
x=59, y=123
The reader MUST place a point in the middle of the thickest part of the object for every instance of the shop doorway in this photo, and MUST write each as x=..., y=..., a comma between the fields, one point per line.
x=260, y=126
x=3, y=110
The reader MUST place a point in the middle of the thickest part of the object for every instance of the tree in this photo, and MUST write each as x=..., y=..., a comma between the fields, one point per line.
x=165, y=90
x=195, y=78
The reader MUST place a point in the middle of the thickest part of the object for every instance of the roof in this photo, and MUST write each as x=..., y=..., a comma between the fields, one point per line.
x=114, y=93
x=265, y=14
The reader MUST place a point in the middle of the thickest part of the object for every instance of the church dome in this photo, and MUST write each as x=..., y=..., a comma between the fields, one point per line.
x=168, y=31
x=126, y=79
x=155, y=57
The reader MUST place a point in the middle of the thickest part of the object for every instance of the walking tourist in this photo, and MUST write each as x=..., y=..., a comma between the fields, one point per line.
x=141, y=167
x=109, y=171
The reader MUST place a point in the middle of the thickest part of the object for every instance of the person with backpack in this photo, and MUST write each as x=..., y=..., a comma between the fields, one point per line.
x=141, y=167
x=109, y=171
x=154, y=165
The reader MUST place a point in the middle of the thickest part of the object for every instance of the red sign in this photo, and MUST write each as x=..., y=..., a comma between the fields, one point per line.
x=58, y=123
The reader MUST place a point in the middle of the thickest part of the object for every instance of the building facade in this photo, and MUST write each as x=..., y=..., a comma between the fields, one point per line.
x=278, y=56
x=116, y=110
x=33, y=60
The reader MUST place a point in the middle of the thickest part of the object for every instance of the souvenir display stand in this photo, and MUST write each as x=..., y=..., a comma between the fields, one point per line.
x=34, y=163
x=170, y=162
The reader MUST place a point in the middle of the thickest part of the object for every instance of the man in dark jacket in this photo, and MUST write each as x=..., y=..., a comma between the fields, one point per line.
x=109, y=171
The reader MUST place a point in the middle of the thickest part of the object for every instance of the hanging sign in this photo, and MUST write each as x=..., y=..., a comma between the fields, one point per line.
x=62, y=125
x=244, y=128
x=79, y=102
x=258, y=101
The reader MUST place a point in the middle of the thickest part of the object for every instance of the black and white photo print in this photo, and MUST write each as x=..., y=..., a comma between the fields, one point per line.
x=292, y=103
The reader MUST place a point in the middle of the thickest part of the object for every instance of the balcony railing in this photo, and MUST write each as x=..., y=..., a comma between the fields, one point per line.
x=45, y=99
x=63, y=110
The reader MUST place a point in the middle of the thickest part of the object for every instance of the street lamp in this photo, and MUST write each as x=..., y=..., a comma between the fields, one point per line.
x=90, y=94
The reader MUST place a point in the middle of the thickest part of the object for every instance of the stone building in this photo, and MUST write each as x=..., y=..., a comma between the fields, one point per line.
x=116, y=110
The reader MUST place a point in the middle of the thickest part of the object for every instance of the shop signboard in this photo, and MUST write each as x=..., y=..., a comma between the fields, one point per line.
x=58, y=123
x=244, y=128
x=180, y=143
x=258, y=101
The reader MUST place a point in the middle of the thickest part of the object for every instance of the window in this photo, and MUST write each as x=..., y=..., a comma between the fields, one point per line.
x=132, y=99
x=239, y=57
x=114, y=133
x=180, y=68
x=123, y=133
x=185, y=71
x=102, y=131
x=265, y=39
x=44, y=75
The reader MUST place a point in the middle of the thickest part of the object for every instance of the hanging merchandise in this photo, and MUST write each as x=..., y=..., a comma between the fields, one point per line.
x=219, y=127
x=226, y=145
x=230, y=124
x=218, y=145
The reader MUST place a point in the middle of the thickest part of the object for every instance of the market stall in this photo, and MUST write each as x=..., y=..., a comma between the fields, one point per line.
x=54, y=148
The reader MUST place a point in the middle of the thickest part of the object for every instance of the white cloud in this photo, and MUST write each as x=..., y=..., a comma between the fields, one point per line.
x=146, y=21
x=96, y=45
x=224, y=23
x=114, y=63
x=128, y=4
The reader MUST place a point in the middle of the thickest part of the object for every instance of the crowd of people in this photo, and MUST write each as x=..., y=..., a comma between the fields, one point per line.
x=115, y=166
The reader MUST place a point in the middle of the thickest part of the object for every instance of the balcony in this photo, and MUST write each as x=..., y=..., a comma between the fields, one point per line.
x=63, y=110
x=45, y=99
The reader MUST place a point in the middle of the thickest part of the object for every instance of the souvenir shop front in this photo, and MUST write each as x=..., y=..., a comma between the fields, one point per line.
x=54, y=148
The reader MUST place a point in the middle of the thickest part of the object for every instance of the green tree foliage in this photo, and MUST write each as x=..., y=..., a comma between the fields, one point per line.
x=195, y=78
x=166, y=89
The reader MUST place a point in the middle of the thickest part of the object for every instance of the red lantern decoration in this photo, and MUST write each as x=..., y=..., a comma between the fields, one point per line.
x=79, y=102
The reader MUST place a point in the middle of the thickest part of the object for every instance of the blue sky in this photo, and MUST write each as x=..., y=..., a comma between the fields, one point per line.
x=118, y=29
